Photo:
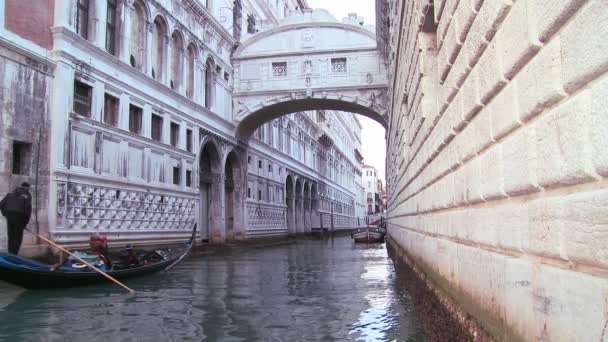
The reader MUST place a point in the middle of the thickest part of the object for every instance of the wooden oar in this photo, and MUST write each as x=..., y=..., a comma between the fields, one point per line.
x=83, y=261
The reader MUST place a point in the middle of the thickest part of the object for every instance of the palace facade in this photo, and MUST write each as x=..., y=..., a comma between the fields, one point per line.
x=132, y=103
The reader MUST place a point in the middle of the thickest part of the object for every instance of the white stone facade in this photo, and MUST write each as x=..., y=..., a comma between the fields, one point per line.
x=497, y=159
x=370, y=183
x=143, y=138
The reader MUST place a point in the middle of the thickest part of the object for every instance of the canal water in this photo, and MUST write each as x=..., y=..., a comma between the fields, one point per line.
x=302, y=290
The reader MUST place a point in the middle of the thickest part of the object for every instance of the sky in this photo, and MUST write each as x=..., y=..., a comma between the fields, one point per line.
x=372, y=136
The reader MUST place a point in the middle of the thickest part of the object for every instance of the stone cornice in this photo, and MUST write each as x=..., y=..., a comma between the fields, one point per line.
x=201, y=12
x=300, y=26
x=269, y=14
x=284, y=55
x=27, y=53
x=337, y=89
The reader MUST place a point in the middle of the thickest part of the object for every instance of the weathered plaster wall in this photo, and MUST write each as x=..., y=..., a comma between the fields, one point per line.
x=498, y=160
x=24, y=117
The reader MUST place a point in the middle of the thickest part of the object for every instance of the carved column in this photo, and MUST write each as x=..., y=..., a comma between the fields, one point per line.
x=203, y=90
x=149, y=52
x=64, y=16
x=300, y=214
x=183, y=85
x=99, y=23
x=197, y=86
x=309, y=215
x=125, y=31
x=217, y=226
x=169, y=51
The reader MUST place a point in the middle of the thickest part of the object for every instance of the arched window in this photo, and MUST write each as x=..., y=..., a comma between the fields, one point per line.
x=209, y=83
x=159, y=46
x=176, y=60
x=138, y=34
x=190, y=71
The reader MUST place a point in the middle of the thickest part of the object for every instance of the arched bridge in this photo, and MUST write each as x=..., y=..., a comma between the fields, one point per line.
x=310, y=62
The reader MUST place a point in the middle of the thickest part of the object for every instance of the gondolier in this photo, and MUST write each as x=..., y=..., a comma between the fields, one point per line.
x=17, y=208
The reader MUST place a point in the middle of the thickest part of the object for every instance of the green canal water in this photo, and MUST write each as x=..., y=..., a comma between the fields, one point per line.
x=302, y=290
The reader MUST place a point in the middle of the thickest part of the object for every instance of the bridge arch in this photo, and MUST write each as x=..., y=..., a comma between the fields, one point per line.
x=277, y=107
x=310, y=62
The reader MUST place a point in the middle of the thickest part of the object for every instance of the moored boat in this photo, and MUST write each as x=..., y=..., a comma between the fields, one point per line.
x=368, y=234
x=32, y=274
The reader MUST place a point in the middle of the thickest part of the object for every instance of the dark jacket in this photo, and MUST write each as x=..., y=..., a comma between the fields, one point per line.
x=17, y=202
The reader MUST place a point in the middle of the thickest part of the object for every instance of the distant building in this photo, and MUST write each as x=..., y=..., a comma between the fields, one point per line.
x=370, y=182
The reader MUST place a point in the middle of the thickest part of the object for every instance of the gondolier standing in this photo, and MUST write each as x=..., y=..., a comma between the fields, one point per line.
x=17, y=208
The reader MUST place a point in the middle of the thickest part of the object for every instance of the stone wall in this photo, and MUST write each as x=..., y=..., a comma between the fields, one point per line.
x=24, y=122
x=498, y=156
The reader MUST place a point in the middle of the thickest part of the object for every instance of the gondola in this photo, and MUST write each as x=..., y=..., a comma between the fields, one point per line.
x=32, y=274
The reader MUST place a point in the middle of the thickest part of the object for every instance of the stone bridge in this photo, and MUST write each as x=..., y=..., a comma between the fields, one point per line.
x=310, y=62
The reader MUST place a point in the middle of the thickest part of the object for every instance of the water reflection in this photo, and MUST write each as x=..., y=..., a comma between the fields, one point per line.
x=309, y=290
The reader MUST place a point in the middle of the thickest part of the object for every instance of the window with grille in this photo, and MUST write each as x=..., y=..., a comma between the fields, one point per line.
x=279, y=69
x=157, y=127
x=110, y=110
x=135, y=119
x=176, y=175
x=111, y=27
x=82, y=98
x=189, y=140
x=338, y=65
x=189, y=178
x=174, y=134
x=82, y=18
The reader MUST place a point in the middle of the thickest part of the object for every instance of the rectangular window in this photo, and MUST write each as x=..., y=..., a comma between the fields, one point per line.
x=279, y=69
x=82, y=18
x=82, y=98
x=248, y=192
x=174, y=134
x=176, y=175
x=250, y=23
x=135, y=118
x=110, y=110
x=269, y=168
x=157, y=127
x=21, y=158
x=259, y=195
x=189, y=140
x=259, y=164
x=338, y=65
x=189, y=178
x=249, y=160
x=111, y=27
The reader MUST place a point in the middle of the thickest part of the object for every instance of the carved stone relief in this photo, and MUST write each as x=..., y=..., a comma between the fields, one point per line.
x=92, y=207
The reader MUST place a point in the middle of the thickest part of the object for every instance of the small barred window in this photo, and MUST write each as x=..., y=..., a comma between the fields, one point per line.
x=279, y=69
x=338, y=65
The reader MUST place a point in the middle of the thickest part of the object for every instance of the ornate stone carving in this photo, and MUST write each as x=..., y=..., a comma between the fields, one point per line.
x=98, y=207
x=266, y=217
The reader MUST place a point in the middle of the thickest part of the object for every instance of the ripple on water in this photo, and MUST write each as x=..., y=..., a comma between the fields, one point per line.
x=309, y=290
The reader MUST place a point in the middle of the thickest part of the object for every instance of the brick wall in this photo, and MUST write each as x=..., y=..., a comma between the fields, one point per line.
x=498, y=153
x=31, y=19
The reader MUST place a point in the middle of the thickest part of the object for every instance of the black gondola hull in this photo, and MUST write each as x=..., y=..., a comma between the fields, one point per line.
x=41, y=279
